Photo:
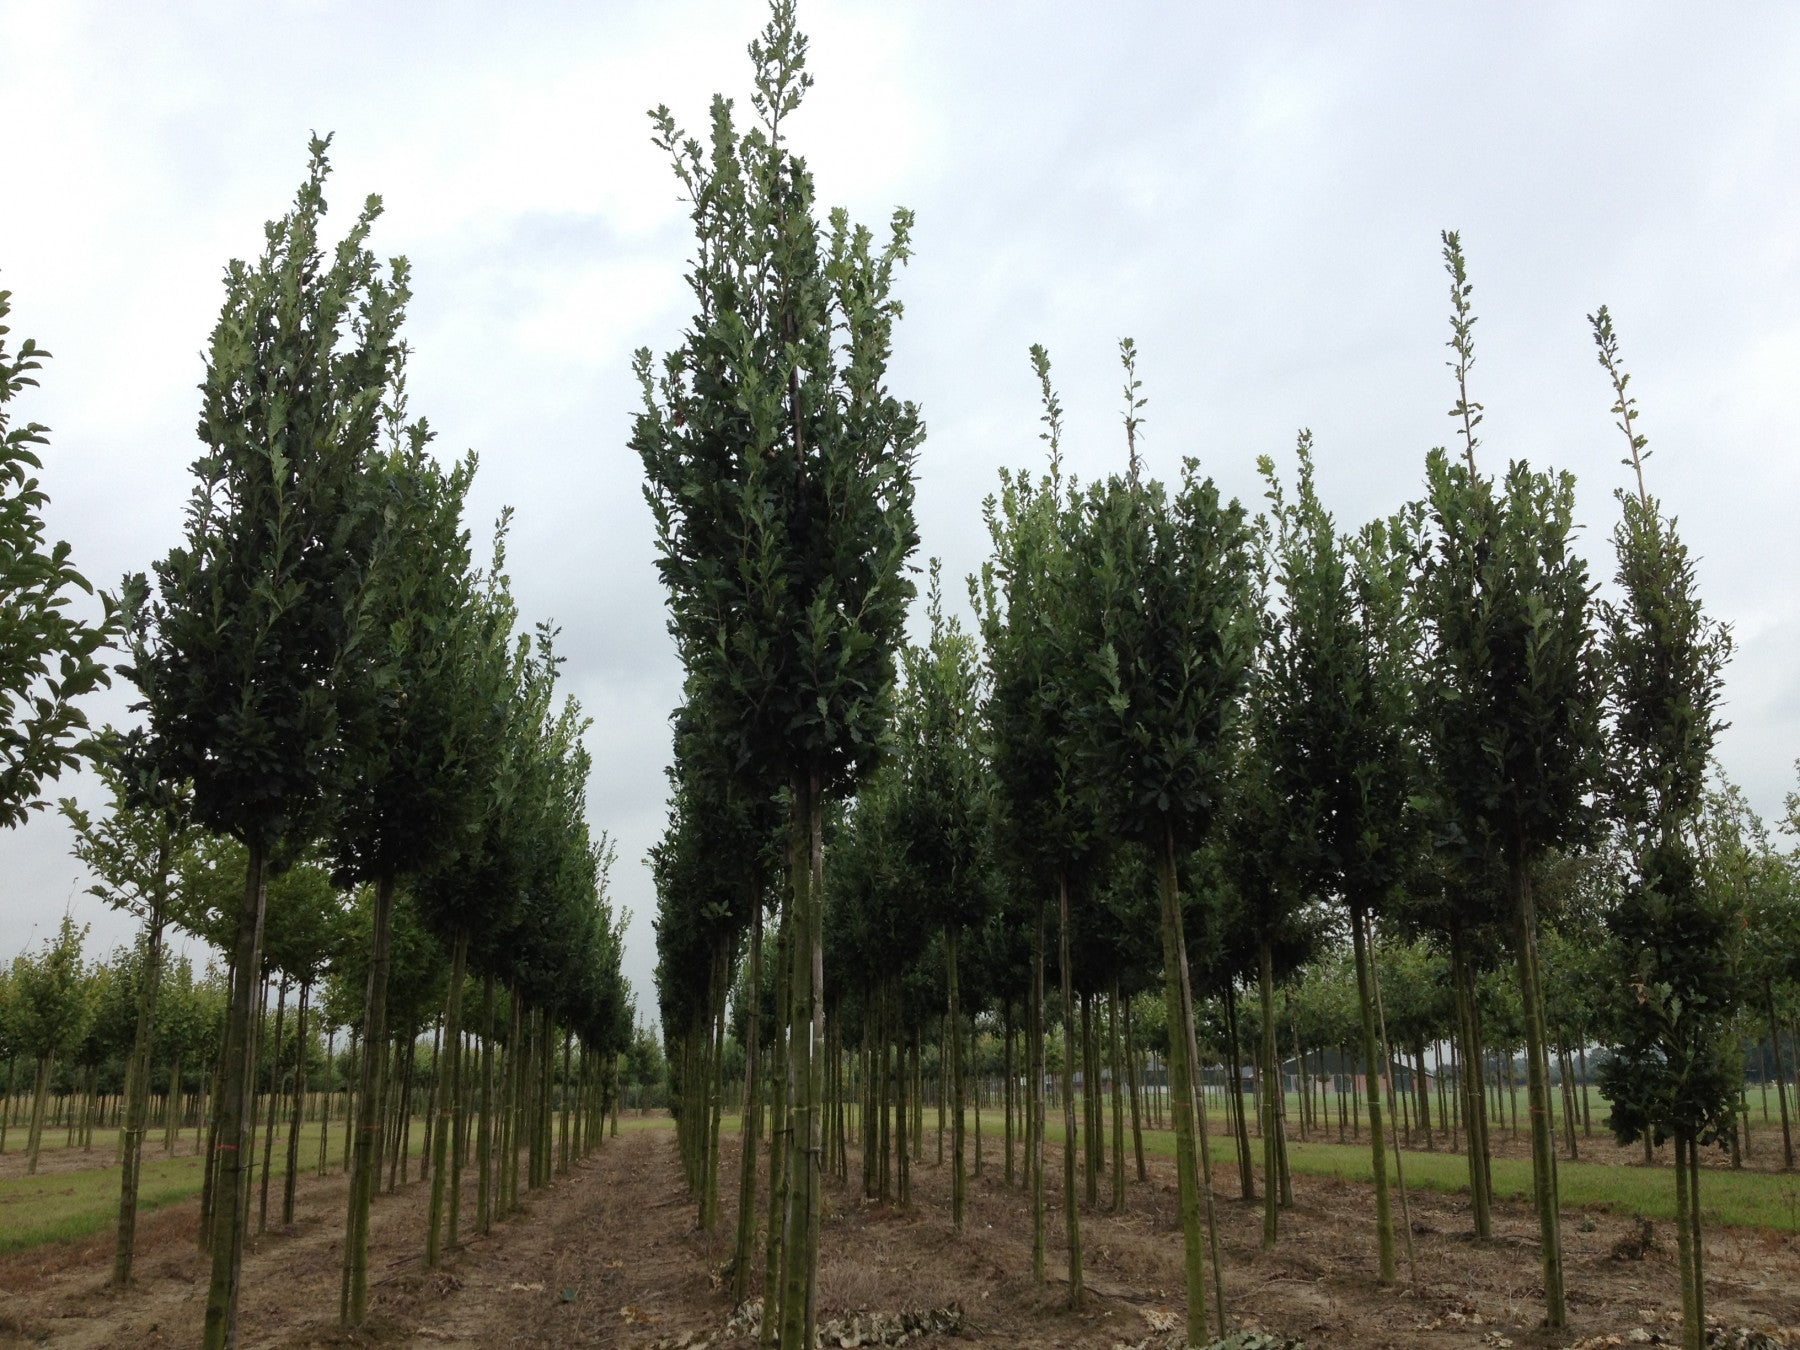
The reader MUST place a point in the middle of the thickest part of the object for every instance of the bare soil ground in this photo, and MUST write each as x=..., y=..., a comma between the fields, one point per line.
x=609, y=1256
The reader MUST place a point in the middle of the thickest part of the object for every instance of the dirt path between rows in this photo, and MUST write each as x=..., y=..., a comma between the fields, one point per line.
x=609, y=1256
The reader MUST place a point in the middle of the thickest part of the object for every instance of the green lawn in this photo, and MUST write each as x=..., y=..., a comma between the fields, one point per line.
x=1739, y=1199
x=70, y=1205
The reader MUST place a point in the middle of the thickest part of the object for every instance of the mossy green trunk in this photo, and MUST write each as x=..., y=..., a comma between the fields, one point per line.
x=1131, y=1070
x=262, y=1202
x=799, y=1310
x=484, y=1128
x=1543, y=1154
x=447, y=1089
x=744, y=1247
x=1118, y=1102
x=236, y=1082
x=1371, y=1058
x=779, y=1125
x=371, y=1091
x=1034, y=1124
x=1183, y=1073
x=1071, y=1141
x=137, y=1101
x=1271, y=1105
x=290, y=1177
x=958, y=1180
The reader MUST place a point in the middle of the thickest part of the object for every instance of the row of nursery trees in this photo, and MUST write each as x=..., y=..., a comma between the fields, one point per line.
x=1182, y=745
x=352, y=764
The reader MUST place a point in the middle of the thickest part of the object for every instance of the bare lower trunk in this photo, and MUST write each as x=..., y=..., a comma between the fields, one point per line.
x=236, y=1081
x=371, y=1088
x=137, y=1100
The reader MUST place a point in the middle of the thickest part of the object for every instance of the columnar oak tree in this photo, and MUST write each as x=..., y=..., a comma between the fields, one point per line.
x=1034, y=661
x=252, y=636
x=1338, y=706
x=1171, y=579
x=943, y=819
x=779, y=469
x=1677, y=1072
x=1513, y=691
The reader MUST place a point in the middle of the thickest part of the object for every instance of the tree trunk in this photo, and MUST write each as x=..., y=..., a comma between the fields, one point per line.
x=1008, y=1095
x=1787, y=1135
x=744, y=1248
x=1184, y=1068
x=1034, y=1067
x=449, y=1087
x=958, y=1182
x=289, y=1178
x=1472, y=1096
x=40, y=1102
x=237, y=1081
x=1118, y=1102
x=1543, y=1153
x=137, y=1099
x=1131, y=1069
x=799, y=1306
x=1090, y=1112
x=325, y=1096
x=262, y=1203
x=780, y=1124
x=172, y=1107
x=1384, y=1219
x=1071, y=1141
x=1235, y=1102
x=371, y=1089
x=1271, y=1110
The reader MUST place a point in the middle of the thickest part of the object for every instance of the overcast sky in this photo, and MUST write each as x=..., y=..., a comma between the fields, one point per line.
x=1254, y=193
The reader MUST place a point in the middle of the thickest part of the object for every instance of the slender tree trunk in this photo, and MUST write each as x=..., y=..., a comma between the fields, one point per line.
x=288, y=1180
x=262, y=1203
x=1472, y=1096
x=780, y=1123
x=1034, y=1066
x=1388, y=1070
x=1422, y=1089
x=799, y=1308
x=1271, y=1083
x=1131, y=1070
x=371, y=1089
x=1543, y=1153
x=1781, y=1096
x=237, y=1081
x=1384, y=1219
x=1587, y=1124
x=958, y=1181
x=744, y=1249
x=1184, y=1066
x=1008, y=1095
x=137, y=1099
x=325, y=1096
x=40, y=1094
x=1118, y=1101
x=1090, y=1112
x=448, y=1095
x=1235, y=1103
x=1071, y=1214
x=1684, y=1249
x=171, y=1108
x=1697, y=1329
x=6, y=1100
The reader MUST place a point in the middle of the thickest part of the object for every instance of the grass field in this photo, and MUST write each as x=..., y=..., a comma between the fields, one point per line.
x=1738, y=1199
x=64, y=1206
